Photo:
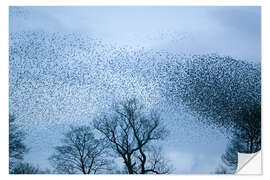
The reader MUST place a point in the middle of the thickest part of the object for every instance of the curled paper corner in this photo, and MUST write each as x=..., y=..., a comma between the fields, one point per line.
x=249, y=163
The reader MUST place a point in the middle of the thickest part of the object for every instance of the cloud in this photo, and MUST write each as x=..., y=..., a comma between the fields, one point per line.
x=191, y=163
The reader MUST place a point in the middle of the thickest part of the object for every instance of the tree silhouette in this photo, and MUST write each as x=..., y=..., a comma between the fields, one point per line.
x=246, y=136
x=81, y=152
x=17, y=148
x=248, y=129
x=131, y=132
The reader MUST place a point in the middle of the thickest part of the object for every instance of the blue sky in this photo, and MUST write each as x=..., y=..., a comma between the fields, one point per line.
x=191, y=146
x=231, y=31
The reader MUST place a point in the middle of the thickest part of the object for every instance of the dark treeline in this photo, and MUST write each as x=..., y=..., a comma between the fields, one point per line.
x=246, y=138
x=129, y=132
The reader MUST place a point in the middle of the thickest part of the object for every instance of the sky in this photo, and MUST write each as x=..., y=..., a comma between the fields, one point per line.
x=231, y=31
x=78, y=37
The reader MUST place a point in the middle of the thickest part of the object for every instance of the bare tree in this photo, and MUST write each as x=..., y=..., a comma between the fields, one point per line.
x=81, y=152
x=130, y=131
x=17, y=148
x=157, y=163
x=246, y=136
x=248, y=129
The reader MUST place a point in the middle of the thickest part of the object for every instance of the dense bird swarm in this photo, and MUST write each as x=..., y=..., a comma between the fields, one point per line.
x=58, y=79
